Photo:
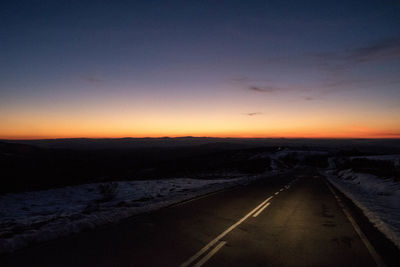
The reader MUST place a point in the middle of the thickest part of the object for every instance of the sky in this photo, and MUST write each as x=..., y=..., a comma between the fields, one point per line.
x=326, y=69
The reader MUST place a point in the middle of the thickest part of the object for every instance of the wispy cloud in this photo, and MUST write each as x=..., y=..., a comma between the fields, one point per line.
x=330, y=73
x=362, y=129
x=92, y=79
x=259, y=86
x=253, y=113
x=240, y=79
x=339, y=84
x=387, y=134
x=382, y=50
x=264, y=89
x=332, y=83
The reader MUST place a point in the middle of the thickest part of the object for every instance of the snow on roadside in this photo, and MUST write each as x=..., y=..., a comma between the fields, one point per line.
x=379, y=199
x=394, y=158
x=30, y=217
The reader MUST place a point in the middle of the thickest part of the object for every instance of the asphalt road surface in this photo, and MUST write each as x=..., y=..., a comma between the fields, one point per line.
x=289, y=220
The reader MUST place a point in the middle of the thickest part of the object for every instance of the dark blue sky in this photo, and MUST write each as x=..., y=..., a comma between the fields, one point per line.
x=67, y=63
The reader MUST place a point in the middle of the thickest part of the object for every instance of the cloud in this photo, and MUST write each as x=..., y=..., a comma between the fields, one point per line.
x=252, y=113
x=362, y=129
x=387, y=134
x=92, y=79
x=330, y=73
x=382, y=50
x=248, y=84
x=343, y=82
x=240, y=79
x=264, y=89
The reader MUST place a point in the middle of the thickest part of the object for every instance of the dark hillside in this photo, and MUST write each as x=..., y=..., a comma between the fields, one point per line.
x=26, y=167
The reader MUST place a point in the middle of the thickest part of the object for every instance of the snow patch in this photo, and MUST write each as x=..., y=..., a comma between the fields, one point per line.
x=378, y=198
x=31, y=217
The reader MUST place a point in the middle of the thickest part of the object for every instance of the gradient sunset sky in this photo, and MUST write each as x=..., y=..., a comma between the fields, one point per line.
x=200, y=68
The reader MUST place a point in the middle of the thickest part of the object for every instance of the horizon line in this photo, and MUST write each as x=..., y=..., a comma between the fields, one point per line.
x=189, y=136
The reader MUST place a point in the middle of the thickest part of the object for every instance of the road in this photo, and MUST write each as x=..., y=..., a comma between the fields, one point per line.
x=289, y=220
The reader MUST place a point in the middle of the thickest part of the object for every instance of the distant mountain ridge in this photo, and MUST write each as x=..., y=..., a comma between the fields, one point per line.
x=132, y=143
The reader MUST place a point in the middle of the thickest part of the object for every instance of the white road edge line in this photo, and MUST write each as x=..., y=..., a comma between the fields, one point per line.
x=260, y=210
x=210, y=254
x=215, y=240
x=276, y=193
x=378, y=260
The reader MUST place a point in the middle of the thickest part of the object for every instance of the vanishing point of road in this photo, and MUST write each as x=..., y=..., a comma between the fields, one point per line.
x=294, y=219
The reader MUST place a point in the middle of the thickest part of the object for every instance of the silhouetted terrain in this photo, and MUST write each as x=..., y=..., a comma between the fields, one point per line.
x=39, y=164
x=369, y=145
x=26, y=167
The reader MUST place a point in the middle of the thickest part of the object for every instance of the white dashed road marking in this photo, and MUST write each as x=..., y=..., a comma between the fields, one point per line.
x=255, y=212
x=210, y=254
x=260, y=210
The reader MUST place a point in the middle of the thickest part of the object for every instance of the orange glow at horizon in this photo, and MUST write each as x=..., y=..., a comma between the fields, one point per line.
x=231, y=116
x=52, y=131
